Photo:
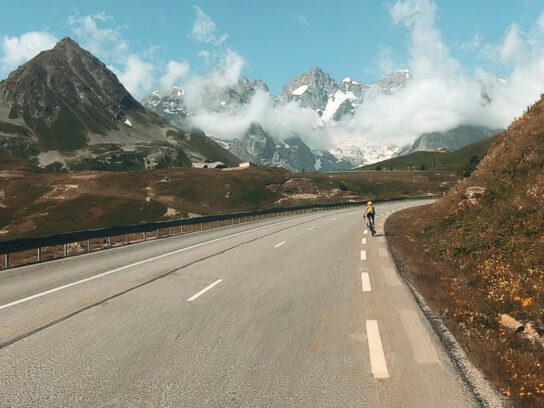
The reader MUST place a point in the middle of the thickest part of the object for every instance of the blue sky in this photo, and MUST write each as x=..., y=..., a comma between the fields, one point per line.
x=276, y=40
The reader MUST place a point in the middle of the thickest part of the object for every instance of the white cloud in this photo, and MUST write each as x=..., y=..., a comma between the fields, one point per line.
x=174, y=72
x=200, y=90
x=281, y=121
x=204, y=29
x=18, y=50
x=104, y=42
x=99, y=34
x=137, y=76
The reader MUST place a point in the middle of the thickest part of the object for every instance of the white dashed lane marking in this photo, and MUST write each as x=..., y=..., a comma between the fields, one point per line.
x=363, y=255
x=363, y=241
x=378, y=364
x=207, y=288
x=280, y=244
x=365, y=281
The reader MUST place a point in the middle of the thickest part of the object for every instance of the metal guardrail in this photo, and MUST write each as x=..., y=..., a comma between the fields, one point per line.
x=39, y=243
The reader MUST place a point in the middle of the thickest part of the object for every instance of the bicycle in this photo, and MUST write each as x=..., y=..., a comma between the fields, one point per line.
x=370, y=225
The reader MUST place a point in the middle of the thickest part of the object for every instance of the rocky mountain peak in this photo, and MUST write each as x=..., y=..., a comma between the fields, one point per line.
x=311, y=89
x=65, y=76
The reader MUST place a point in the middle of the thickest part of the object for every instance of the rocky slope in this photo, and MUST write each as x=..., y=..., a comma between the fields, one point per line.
x=65, y=107
x=292, y=153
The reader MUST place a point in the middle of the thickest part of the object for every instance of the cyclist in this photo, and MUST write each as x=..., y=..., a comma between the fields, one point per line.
x=369, y=214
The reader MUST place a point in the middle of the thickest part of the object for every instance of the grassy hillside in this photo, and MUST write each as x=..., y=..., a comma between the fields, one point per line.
x=457, y=161
x=37, y=203
x=476, y=257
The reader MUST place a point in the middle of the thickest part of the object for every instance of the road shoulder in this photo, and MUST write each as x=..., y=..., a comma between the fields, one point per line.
x=411, y=260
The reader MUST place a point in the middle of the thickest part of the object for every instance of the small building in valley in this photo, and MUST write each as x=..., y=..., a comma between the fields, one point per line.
x=212, y=165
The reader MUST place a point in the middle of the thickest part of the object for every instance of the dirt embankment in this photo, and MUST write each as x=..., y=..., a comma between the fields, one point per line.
x=472, y=295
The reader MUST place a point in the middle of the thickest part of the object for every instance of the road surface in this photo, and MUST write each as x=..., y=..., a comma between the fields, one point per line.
x=304, y=311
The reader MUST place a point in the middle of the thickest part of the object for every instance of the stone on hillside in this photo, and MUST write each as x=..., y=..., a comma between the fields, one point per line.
x=510, y=323
x=474, y=194
x=299, y=185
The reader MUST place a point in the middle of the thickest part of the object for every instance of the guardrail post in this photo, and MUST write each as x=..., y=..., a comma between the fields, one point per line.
x=128, y=242
x=88, y=245
x=157, y=233
x=109, y=242
x=39, y=254
x=144, y=235
x=170, y=231
x=6, y=261
x=65, y=250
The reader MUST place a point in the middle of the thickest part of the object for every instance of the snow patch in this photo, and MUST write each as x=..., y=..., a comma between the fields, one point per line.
x=317, y=164
x=334, y=103
x=300, y=90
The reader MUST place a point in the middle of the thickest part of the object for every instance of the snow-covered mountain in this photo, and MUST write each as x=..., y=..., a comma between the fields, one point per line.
x=331, y=100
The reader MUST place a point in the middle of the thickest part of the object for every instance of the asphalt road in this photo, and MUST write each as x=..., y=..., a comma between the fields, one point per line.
x=306, y=311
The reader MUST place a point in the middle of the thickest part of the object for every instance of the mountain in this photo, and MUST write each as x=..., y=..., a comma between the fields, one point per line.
x=65, y=107
x=316, y=90
x=452, y=140
x=331, y=100
x=259, y=147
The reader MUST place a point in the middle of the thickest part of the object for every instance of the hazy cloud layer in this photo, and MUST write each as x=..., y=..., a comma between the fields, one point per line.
x=442, y=95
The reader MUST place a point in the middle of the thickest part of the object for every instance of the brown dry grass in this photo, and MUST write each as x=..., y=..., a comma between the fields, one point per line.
x=38, y=203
